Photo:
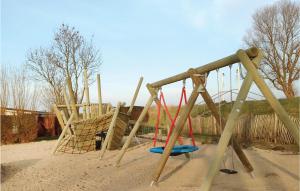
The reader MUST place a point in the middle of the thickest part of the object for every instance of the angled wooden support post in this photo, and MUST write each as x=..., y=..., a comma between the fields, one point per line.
x=176, y=132
x=227, y=133
x=58, y=115
x=275, y=104
x=87, y=93
x=65, y=120
x=135, y=95
x=67, y=101
x=72, y=98
x=134, y=130
x=221, y=122
x=66, y=127
x=99, y=96
x=110, y=130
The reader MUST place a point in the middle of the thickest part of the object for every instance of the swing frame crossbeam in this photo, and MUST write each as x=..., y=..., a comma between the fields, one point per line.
x=250, y=59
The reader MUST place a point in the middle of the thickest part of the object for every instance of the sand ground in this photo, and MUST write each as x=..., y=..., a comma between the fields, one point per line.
x=31, y=166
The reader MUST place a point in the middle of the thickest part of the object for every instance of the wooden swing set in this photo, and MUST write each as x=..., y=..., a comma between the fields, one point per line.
x=250, y=59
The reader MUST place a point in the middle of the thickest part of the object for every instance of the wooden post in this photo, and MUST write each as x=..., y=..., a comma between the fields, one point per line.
x=67, y=101
x=275, y=128
x=87, y=93
x=72, y=98
x=275, y=104
x=135, y=95
x=221, y=123
x=110, y=130
x=65, y=120
x=229, y=127
x=227, y=133
x=84, y=111
x=176, y=132
x=134, y=130
x=63, y=133
x=99, y=95
x=58, y=115
x=108, y=107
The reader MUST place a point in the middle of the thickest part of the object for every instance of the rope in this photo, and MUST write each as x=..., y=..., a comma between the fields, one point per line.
x=173, y=121
x=232, y=162
x=175, y=118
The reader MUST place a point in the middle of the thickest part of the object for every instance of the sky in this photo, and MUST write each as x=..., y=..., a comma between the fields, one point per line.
x=150, y=38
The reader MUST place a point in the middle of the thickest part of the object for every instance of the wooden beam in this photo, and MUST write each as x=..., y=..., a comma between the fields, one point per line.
x=58, y=115
x=99, y=95
x=63, y=133
x=110, y=130
x=135, y=95
x=134, y=130
x=108, y=107
x=251, y=52
x=227, y=133
x=67, y=101
x=87, y=93
x=72, y=98
x=221, y=122
x=65, y=120
x=275, y=104
x=176, y=132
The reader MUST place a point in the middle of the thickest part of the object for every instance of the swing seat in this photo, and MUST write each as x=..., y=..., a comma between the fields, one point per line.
x=177, y=150
x=228, y=171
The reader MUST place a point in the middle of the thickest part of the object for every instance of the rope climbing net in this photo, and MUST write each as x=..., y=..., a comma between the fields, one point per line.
x=82, y=136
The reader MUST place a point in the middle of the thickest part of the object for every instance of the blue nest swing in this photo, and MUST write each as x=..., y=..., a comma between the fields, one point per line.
x=177, y=149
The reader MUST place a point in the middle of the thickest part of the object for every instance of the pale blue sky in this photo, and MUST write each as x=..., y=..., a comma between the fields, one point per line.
x=155, y=39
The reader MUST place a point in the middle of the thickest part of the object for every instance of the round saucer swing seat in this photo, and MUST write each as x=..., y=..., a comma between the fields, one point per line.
x=177, y=149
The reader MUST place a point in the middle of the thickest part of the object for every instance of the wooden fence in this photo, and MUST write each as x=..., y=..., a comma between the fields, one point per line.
x=250, y=128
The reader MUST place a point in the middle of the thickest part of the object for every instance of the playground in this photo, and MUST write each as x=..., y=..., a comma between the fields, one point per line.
x=31, y=166
x=150, y=96
x=106, y=147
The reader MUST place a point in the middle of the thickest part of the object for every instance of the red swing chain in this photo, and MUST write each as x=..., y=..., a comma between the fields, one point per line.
x=162, y=99
x=183, y=96
x=173, y=121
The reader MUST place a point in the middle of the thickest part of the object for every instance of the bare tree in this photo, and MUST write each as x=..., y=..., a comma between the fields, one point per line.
x=24, y=94
x=276, y=30
x=68, y=55
x=4, y=95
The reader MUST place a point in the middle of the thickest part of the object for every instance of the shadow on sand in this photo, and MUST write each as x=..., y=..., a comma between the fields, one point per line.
x=8, y=170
